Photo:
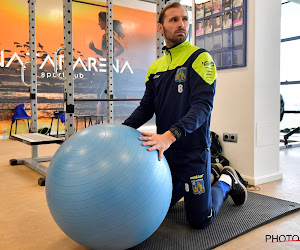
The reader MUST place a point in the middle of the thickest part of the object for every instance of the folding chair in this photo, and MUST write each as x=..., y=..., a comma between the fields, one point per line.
x=20, y=114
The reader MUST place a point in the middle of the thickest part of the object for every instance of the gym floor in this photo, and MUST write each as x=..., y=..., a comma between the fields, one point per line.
x=26, y=223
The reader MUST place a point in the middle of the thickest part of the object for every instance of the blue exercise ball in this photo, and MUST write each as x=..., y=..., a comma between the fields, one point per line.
x=107, y=191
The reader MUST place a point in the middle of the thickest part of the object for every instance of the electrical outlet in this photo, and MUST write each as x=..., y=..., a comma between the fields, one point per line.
x=226, y=137
x=233, y=137
x=230, y=137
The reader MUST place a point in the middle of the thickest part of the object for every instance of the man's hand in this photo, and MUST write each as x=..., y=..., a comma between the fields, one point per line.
x=158, y=142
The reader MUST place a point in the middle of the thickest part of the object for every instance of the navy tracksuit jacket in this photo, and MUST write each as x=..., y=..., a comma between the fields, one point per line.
x=180, y=88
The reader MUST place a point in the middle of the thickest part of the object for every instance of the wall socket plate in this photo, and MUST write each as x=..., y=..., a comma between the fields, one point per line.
x=230, y=137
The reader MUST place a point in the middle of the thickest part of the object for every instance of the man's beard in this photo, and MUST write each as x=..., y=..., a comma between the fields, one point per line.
x=175, y=39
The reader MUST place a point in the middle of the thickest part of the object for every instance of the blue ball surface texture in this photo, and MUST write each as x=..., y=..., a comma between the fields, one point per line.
x=107, y=191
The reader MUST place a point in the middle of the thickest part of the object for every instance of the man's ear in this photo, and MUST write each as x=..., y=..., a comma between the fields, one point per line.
x=160, y=28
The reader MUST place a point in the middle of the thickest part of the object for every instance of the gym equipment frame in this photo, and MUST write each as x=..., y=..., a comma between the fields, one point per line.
x=34, y=139
x=290, y=143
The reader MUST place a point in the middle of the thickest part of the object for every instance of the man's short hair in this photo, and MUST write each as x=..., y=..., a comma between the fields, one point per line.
x=163, y=11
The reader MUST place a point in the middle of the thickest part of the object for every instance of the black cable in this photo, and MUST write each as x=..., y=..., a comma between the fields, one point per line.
x=99, y=5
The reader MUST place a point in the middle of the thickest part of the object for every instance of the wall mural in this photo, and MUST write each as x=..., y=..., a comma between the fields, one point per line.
x=134, y=50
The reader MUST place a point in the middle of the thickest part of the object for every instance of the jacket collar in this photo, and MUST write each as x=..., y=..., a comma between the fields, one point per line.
x=177, y=48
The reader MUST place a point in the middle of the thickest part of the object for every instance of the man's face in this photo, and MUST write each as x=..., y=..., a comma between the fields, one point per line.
x=175, y=26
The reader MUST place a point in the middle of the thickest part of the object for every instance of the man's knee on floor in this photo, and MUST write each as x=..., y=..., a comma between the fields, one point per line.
x=200, y=222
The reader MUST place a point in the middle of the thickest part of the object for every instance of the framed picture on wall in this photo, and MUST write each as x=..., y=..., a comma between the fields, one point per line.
x=200, y=28
x=216, y=8
x=208, y=8
x=200, y=10
x=208, y=28
x=217, y=23
x=221, y=28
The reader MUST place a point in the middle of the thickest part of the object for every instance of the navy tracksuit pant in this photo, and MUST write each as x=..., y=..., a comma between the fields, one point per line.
x=191, y=173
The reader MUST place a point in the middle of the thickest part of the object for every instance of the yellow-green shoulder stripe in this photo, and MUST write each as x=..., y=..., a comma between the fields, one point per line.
x=159, y=65
x=164, y=63
x=205, y=67
x=147, y=76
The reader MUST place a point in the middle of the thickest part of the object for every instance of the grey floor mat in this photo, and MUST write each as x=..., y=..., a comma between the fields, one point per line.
x=231, y=222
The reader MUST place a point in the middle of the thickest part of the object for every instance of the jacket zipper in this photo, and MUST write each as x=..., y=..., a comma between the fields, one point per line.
x=169, y=52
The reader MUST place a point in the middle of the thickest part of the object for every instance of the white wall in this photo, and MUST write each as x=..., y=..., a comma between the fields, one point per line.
x=267, y=89
x=247, y=99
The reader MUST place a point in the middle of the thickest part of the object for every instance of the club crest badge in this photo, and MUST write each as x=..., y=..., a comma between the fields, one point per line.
x=181, y=75
x=197, y=184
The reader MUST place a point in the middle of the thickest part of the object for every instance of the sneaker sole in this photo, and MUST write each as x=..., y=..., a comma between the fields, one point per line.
x=236, y=176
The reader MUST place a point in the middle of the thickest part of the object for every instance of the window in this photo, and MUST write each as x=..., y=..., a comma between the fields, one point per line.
x=290, y=63
x=290, y=19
